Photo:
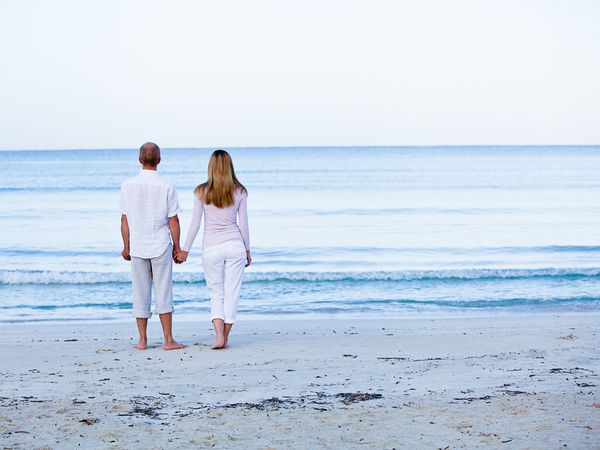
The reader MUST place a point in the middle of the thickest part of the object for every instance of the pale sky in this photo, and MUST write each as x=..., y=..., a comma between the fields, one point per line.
x=116, y=73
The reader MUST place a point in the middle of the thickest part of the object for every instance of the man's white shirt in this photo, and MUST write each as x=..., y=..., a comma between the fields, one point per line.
x=148, y=201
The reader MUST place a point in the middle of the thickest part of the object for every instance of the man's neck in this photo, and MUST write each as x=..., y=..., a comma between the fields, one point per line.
x=149, y=168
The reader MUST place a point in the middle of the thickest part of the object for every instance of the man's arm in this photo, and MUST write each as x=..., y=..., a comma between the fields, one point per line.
x=125, y=236
x=175, y=234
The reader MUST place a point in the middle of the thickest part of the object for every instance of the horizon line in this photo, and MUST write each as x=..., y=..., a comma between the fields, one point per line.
x=57, y=149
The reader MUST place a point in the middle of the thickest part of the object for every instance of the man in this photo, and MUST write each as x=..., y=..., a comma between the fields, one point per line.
x=149, y=208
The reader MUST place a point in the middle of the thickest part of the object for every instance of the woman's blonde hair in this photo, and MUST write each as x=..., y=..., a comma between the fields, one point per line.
x=219, y=189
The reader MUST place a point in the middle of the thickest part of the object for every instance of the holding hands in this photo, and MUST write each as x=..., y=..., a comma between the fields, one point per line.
x=179, y=256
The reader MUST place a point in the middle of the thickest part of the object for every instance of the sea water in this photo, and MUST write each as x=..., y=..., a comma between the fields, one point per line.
x=335, y=232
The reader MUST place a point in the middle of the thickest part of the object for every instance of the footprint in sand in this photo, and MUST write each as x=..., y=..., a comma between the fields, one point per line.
x=105, y=350
x=568, y=337
x=206, y=442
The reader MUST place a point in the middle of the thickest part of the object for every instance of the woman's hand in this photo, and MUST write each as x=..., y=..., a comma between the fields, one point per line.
x=248, y=258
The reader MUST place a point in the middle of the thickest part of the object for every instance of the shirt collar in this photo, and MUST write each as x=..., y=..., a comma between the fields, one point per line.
x=148, y=172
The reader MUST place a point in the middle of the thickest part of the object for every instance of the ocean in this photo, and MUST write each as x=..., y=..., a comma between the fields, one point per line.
x=335, y=232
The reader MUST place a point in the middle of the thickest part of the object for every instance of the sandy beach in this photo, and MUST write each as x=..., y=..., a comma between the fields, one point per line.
x=495, y=382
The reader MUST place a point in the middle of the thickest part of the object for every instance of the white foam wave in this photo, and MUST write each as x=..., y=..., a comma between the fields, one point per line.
x=17, y=277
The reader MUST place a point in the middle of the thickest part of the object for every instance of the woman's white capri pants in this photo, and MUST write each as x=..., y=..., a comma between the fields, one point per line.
x=223, y=271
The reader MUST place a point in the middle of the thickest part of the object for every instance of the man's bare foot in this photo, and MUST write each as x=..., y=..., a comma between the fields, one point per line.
x=143, y=345
x=173, y=345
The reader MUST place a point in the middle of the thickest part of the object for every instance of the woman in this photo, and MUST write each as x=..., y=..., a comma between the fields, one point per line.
x=226, y=245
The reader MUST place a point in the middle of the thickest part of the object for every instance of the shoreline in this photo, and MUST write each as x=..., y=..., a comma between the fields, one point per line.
x=512, y=382
x=201, y=318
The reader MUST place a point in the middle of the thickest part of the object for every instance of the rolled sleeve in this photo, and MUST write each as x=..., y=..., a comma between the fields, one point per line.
x=172, y=202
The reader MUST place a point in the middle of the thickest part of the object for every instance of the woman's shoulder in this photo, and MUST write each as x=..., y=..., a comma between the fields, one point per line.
x=199, y=191
x=241, y=192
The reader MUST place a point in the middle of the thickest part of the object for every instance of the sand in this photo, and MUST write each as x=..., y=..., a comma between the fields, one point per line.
x=528, y=381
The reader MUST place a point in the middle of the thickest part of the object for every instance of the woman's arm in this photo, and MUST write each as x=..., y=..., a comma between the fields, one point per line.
x=194, y=226
x=243, y=218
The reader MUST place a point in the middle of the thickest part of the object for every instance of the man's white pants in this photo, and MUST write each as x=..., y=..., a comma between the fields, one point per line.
x=146, y=272
x=223, y=271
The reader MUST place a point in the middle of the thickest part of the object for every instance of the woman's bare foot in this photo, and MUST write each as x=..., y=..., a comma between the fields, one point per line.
x=173, y=345
x=226, y=331
x=219, y=334
x=219, y=344
x=142, y=345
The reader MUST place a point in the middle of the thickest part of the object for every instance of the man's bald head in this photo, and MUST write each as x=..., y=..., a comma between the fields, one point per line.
x=150, y=154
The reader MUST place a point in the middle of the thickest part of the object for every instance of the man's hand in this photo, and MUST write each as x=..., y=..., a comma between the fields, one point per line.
x=176, y=252
x=248, y=258
x=125, y=254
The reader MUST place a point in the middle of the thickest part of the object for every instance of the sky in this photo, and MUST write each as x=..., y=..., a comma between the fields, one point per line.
x=117, y=73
